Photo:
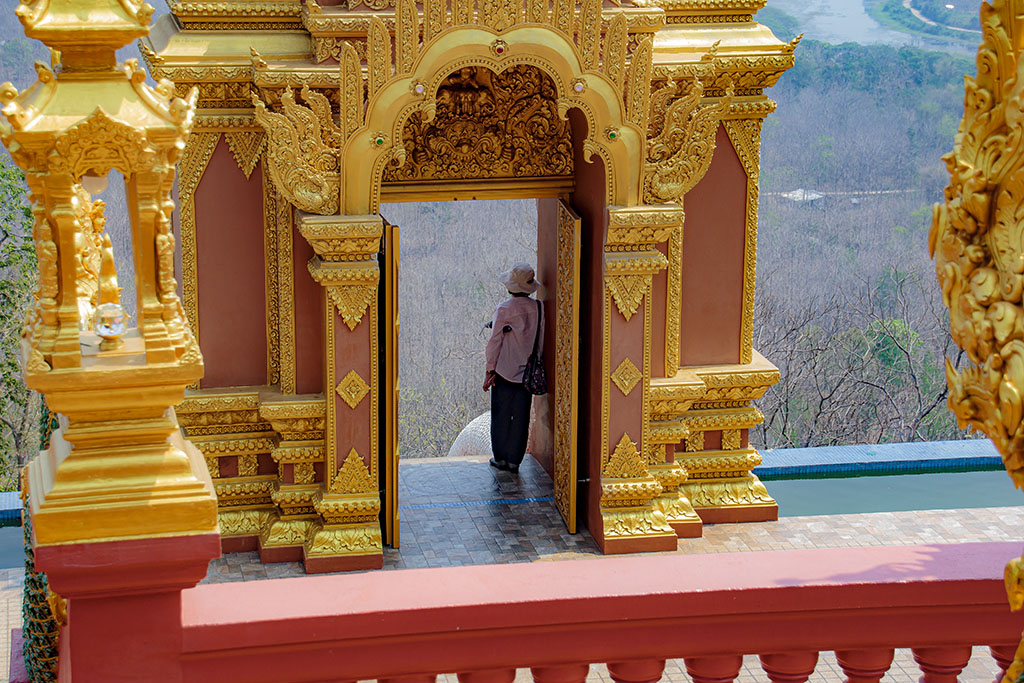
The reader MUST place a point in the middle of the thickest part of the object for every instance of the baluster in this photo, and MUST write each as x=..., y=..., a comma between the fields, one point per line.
x=789, y=667
x=567, y=673
x=642, y=671
x=721, y=669
x=865, y=666
x=410, y=679
x=488, y=676
x=941, y=664
x=1003, y=654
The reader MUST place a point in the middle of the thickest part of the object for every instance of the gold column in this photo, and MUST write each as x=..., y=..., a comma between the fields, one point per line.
x=670, y=398
x=631, y=518
x=298, y=449
x=348, y=502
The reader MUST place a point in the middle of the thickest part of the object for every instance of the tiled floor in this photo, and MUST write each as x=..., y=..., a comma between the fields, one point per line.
x=460, y=511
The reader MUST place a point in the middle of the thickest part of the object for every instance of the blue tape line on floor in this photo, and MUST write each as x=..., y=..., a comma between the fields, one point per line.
x=473, y=503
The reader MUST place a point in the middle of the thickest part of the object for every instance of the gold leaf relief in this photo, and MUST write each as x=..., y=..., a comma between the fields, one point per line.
x=303, y=145
x=379, y=55
x=352, y=389
x=488, y=125
x=625, y=462
x=626, y=376
x=638, y=88
x=351, y=302
x=407, y=35
x=246, y=146
x=354, y=477
x=435, y=18
x=588, y=36
x=614, y=61
x=628, y=292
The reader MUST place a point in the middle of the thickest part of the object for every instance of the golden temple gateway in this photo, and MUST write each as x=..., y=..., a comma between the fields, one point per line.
x=297, y=123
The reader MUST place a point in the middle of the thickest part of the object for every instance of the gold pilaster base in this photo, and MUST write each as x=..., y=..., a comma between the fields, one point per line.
x=676, y=507
x=243, y=522
x=735, y=499
x=631, y=522
x=349, y=537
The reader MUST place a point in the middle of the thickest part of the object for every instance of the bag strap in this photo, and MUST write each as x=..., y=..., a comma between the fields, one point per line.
x=536, y=337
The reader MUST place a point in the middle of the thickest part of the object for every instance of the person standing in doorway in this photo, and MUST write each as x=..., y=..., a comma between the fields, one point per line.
x=517, y=323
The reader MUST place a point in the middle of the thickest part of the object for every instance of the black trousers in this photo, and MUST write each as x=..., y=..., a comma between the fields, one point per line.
x=510, y=420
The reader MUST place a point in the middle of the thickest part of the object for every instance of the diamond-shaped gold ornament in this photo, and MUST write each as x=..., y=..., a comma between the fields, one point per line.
x=626, y=376
x=352, y=389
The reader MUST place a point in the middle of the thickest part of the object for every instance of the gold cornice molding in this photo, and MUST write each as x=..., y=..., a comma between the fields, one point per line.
x=342, y=238
x=715, y=419
x=641, y=227
x=673, y=396
x=735, y=385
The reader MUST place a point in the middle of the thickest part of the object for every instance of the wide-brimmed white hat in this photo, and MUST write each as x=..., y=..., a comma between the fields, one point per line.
x=519, y=279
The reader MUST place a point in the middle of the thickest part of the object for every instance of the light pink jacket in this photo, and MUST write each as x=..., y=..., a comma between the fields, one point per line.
x=515, y=324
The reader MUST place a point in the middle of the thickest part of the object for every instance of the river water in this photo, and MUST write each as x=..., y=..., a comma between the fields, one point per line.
x=841, y=21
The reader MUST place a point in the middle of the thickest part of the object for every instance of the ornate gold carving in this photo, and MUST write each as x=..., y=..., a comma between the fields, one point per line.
x=379, y=55
x=695, y=442
x=247, y=491
x=488, y=125
x=712, y=464
x=499, y=14
x=247, y=465
x=344, y=540
x=628, y=292
x=351, y=91
x=354, y=238
x=681, y=137
x=303, y=148
x=626, y=376
x=303, y=473
x=562, y=16
x=462, y=12
x=614, y=63
x=352, y=302
x=588, y=36
x=407, y=35
x=739, y=492
x=243, y=522
x=353, y=476
x=674, y=301
x=566, y=362
x=976, y=242
x=639, y=84
x=625, y=462
x=197, y=154
x=352, y=389
x=286, y=532
x=246, y=146
x=434, y=18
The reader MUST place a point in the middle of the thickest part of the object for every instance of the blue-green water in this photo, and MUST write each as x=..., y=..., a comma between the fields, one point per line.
x=947, y=490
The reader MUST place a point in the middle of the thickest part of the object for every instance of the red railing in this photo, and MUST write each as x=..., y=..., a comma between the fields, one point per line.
x=556, y=618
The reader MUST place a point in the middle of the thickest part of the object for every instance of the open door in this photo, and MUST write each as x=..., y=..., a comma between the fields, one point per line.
x=388, y=382
x=553, y=433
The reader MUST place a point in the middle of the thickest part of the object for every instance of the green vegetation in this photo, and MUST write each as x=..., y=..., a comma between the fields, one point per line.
x=893, y=14
x=20, y=407
x=958, y=13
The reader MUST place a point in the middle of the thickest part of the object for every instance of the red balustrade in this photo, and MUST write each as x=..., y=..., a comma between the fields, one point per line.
x=631, y=613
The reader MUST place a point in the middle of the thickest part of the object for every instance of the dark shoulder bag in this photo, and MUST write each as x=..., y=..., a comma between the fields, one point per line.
x=534, y=378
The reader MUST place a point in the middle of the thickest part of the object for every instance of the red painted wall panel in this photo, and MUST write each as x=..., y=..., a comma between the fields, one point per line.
x=230, y=273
